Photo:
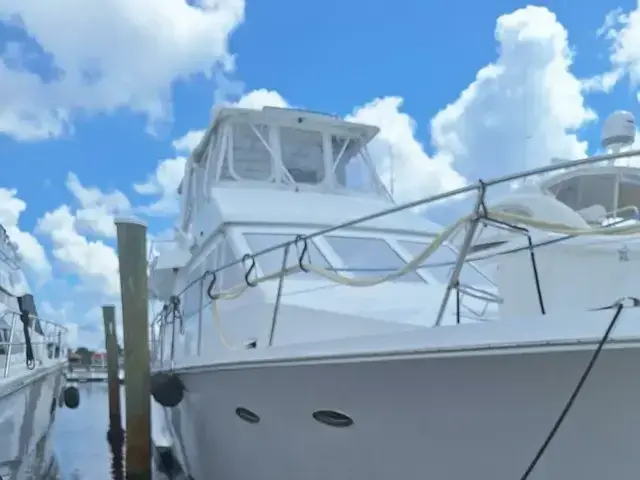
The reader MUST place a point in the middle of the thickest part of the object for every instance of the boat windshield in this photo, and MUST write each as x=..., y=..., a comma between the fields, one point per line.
x=445, y=256
x=369, y=257
x=351, y=256
x=271, y=263
x=613, y=194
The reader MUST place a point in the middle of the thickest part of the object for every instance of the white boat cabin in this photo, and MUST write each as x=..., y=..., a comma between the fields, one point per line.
x=571, y=272
x=259, y=179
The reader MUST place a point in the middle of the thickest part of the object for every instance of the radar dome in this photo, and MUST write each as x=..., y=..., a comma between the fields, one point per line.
x=619, y=130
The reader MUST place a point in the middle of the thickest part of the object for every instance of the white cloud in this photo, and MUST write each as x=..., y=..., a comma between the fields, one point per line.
x=163, y=182
x=521, y=110
x=94, y=262
x=188, y=142
x=33, y=253
x=97, y=208
x=622, y=31
x=396, y=152
x=104, y=56
x=62, y=316
x=257, y=99
x=603, y=82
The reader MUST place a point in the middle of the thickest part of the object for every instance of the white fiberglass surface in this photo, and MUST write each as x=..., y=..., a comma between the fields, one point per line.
x=369, y=257
x=444, y=254
x=271, y=262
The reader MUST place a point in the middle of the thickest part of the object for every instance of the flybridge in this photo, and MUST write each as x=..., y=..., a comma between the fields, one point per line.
x=285, y=149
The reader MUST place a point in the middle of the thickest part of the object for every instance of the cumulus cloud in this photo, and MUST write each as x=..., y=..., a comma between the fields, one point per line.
x=94, y=262
x=257, y=99
x=400, y=157
x=33, y=253
x=97, y=208
x=164, y=181
x=188, y=142
x=522, y=109
x=104, y=56
x=621, y=30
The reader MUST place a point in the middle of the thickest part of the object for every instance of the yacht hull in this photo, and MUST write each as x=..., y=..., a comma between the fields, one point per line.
x=27, y=410
x=455, y=418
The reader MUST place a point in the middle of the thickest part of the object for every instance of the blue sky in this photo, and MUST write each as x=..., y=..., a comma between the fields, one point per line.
x=97, y=97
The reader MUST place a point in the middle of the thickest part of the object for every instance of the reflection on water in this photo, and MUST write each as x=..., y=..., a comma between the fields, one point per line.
x=79, y=436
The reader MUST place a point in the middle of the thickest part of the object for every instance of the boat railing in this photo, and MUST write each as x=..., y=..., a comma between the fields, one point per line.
x=30, y=345
x=616, y=216
x=469, y=225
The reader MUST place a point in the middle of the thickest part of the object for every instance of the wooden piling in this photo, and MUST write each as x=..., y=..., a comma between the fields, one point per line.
x=111, y=344
x=115, y=434
x=132, y=258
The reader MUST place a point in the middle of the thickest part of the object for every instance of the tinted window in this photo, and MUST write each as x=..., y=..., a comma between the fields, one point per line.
x=369, y=257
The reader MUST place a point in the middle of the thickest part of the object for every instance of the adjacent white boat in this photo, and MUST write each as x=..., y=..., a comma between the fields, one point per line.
x=32, y=359
x=318, y=335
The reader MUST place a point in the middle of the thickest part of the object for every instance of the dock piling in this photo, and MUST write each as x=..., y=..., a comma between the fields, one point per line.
x=132, y=258
x=115, y=434
x=111, y=344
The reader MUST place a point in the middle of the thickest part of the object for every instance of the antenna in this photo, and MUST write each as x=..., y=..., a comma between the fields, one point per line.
x=618, y=131
x=392, y=158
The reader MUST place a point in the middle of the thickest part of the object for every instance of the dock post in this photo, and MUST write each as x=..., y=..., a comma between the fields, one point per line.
x=115, y=434
x=132, y=258
x=111, y=344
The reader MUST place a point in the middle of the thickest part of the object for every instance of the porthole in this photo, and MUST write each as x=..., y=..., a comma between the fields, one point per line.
x=247, y=415
x=333, y=418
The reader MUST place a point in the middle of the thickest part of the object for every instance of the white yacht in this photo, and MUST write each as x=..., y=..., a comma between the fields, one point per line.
x=32, y=360
x=311, y=330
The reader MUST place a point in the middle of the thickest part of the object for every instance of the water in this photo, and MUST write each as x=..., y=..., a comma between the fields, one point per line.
x=79, y=436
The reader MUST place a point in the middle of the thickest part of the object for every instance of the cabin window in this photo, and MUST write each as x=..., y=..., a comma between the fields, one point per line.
x=302, y=155
x=226, y=278
x=350, y=167
x=444, y=254
x=369, y=257
x=586, y=191
x=271, y=262
x=4, y=341
x=191, y=297
x=251, y=157
x=628, y=200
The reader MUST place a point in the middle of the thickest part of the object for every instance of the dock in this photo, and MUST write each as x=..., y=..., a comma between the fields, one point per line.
x=92, y=374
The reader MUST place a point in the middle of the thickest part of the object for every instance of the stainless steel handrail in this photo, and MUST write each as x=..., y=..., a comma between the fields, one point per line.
x=480, y=188
x=54, y=337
